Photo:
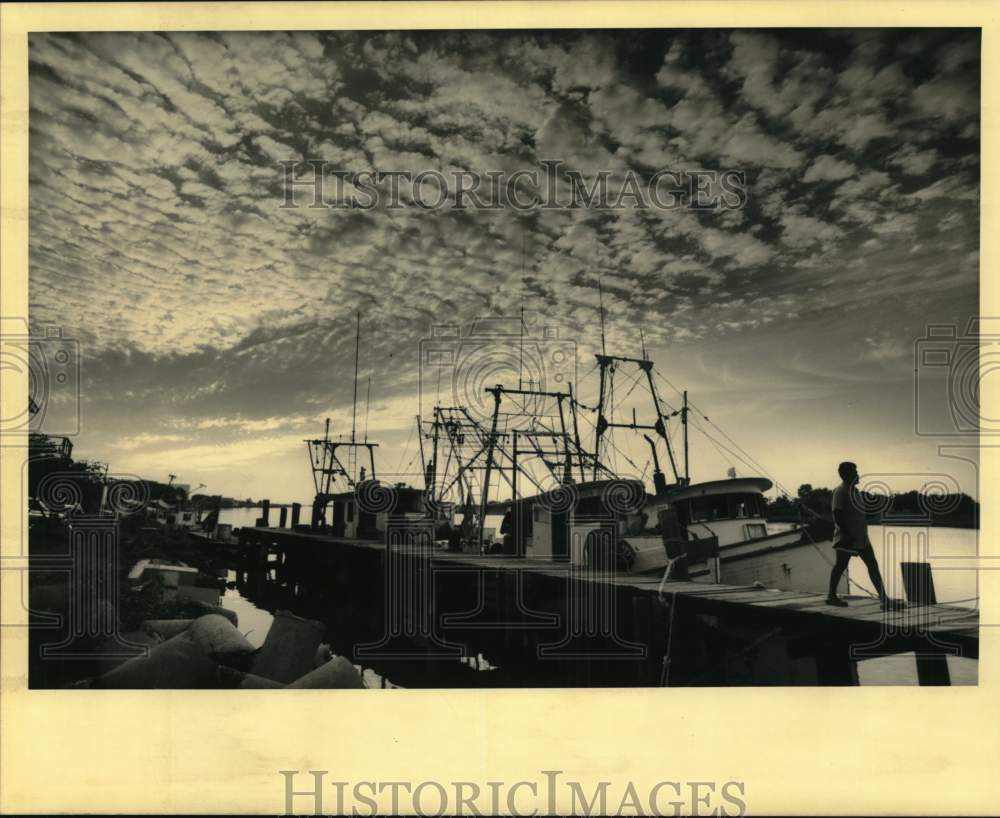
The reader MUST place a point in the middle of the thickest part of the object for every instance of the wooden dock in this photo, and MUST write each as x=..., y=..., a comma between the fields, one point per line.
x=549, y=623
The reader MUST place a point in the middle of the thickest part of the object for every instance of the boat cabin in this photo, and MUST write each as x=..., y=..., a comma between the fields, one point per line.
x=733, y=510
x=565, y=524
x=353, y=518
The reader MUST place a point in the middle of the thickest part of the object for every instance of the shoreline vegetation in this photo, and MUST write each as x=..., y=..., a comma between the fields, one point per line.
x=907, y=508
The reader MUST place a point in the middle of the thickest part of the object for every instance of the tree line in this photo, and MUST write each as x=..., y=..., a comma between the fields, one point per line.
x=907, y=507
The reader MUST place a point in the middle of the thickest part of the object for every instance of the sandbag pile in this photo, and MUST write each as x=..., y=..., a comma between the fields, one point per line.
x=210, y=652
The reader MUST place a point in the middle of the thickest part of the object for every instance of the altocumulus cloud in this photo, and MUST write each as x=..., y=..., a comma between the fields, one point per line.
x=157, y=238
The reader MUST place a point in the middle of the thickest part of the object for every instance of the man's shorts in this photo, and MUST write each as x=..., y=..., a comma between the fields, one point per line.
x=855, y=551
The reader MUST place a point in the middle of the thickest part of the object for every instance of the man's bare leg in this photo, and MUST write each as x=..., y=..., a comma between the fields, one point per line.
x=868, y=557
x=843, y=557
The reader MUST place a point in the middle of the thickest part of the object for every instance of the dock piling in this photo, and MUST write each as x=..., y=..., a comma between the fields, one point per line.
x=918, y=582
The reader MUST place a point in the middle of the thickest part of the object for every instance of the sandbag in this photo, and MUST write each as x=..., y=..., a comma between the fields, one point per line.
x=217, y=637
x=178, y=663
x=338, y=674
x=251, y=681
x=217, y=609
x=103, y=654
x=167, y=628
x=233, y=678
x=288, y=650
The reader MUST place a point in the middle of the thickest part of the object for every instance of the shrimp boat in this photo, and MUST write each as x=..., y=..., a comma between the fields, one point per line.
x=583, y=513
x=565, y=502
x=350, y=501
x=722, y=523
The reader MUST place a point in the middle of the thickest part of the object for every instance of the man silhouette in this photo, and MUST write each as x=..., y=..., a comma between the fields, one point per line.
x=850, y=538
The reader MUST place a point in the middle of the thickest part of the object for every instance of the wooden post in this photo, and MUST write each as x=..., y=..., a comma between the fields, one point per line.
x=265, y=512
x=296, y=511
x=282, y=517
x=918, y=583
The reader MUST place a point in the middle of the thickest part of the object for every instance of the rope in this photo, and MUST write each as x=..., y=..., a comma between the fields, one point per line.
x=747, y=459
x=826, y=559
x=406, y=448
x=614, y=446
x=665, y=668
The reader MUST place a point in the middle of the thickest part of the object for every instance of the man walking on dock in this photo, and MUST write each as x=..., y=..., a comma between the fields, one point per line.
x=850, y=538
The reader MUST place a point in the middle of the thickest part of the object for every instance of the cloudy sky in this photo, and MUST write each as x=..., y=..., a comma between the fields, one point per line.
x=217, y=328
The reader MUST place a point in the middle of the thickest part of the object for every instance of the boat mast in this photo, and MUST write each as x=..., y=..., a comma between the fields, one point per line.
x=576, y=432
x=520, y=359
x=327, y=474
x=357, y=349
x=601, y=423
x=368, y=405
x=684, y=424
x=423, y=460
x=659, y=483
x=491, y=442
x=600, y=292
x=323, y=453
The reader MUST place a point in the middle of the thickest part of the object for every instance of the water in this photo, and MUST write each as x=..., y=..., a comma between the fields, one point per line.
x=950, y=551
x=240, y=517
x=254, y=624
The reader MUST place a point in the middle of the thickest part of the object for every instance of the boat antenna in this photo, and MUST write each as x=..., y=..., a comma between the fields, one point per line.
x=357, y=346
x=520, y=362
x=600, y=291
x=368, y=406
x=642, y=343
x=524, y=265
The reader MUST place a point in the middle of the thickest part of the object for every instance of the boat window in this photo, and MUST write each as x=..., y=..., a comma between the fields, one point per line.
x=719, y=507
x=699, y=510
x=747, y=505
x=752, y=531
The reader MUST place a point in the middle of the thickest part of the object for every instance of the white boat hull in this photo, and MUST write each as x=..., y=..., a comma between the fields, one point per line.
x=786, y=563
